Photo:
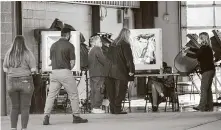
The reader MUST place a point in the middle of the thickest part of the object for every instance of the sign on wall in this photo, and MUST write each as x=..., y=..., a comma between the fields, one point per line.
x=50, y=37
x=146, y=47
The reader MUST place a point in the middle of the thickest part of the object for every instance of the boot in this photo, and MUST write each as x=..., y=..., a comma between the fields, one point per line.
x=46, y=120
x=154, y=108
x=78, y=119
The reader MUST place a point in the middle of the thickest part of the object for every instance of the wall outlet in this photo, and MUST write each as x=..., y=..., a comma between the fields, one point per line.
x=166, y=17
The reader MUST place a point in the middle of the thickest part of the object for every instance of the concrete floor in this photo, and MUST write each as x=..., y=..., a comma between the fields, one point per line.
x=132, y=121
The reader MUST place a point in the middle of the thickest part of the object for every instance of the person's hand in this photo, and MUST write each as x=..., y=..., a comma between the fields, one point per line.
x=186, y=49
x=184, y=53
x=131, y=74
x=130, y=83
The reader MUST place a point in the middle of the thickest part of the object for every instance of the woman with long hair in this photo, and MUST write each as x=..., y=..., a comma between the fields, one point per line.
x=122, y=71
x=207, y=69
x=19, y=63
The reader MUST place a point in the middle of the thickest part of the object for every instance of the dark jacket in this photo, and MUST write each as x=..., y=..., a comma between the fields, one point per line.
x=99, y=65
x=122, y=61
x=205, y=57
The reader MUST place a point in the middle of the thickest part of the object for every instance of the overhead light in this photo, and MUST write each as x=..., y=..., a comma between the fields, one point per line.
x=166, y=14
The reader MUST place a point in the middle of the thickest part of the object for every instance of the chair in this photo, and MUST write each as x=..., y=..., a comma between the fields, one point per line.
x=148, y=95
x=63, y=95
x=171, y=97
x=127, y=100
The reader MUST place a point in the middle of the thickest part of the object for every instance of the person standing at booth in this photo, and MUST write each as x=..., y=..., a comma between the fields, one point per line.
x=122, y=71
x=204, y=56
x=62, y=55
x=99, y=67
x=19, y=63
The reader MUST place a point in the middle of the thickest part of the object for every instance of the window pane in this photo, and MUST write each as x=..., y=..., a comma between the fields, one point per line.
x=217, y=16
x=190, y=2
x=200, y=16
x=184, y=16
x=218, y=2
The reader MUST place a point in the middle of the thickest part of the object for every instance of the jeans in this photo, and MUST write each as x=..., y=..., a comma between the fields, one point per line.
x=206, y=97
x=20, y=90
x=59, y=78
x=96, y=84
x=116, y=91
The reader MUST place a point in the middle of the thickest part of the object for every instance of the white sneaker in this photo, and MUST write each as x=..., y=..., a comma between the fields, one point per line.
x=105, y=102
x=97, y=111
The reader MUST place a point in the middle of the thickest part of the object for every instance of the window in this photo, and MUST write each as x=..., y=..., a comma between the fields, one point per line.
x=199, y=2
x=197, y=17
x=217, y=15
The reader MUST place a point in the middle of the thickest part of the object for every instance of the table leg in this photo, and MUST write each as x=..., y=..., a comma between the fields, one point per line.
x=176, y=96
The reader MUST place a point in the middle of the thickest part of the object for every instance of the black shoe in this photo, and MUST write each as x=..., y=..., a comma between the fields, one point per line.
x=120, y=112
x=196, y=108
x=209, y=110
x=78, y=119
x=46, y=120
x=155, y=109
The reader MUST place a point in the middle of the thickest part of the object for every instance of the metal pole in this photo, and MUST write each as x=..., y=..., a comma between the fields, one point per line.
x=87, y=85
x=3, y=92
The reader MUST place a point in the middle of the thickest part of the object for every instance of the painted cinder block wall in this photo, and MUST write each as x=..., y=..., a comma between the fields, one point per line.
x=41, y=15
x=170, y=30
x=7, y=35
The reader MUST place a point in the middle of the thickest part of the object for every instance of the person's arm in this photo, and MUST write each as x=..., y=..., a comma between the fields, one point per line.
x=5, y=66
x=199, y=52
x=72, y=56
x=129, y=58
x=191, y=55
x=101, y=57
x=193, y=49
x=32, y=62
x=188, y=51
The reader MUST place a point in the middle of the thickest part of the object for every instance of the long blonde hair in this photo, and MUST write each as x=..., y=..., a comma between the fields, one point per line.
x=17, y=52
x=204, y=37
x=123, y=36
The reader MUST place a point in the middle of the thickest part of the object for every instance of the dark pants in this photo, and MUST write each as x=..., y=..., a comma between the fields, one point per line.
x=206, y=97
x=116, y=91
x=20, y=90
x=97, y=96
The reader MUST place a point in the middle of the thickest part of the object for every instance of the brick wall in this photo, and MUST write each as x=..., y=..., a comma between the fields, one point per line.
x=42, y=14
x=6, y=41
x=6, y=27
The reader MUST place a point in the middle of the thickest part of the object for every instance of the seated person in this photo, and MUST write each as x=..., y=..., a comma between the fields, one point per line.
x=160, y=87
